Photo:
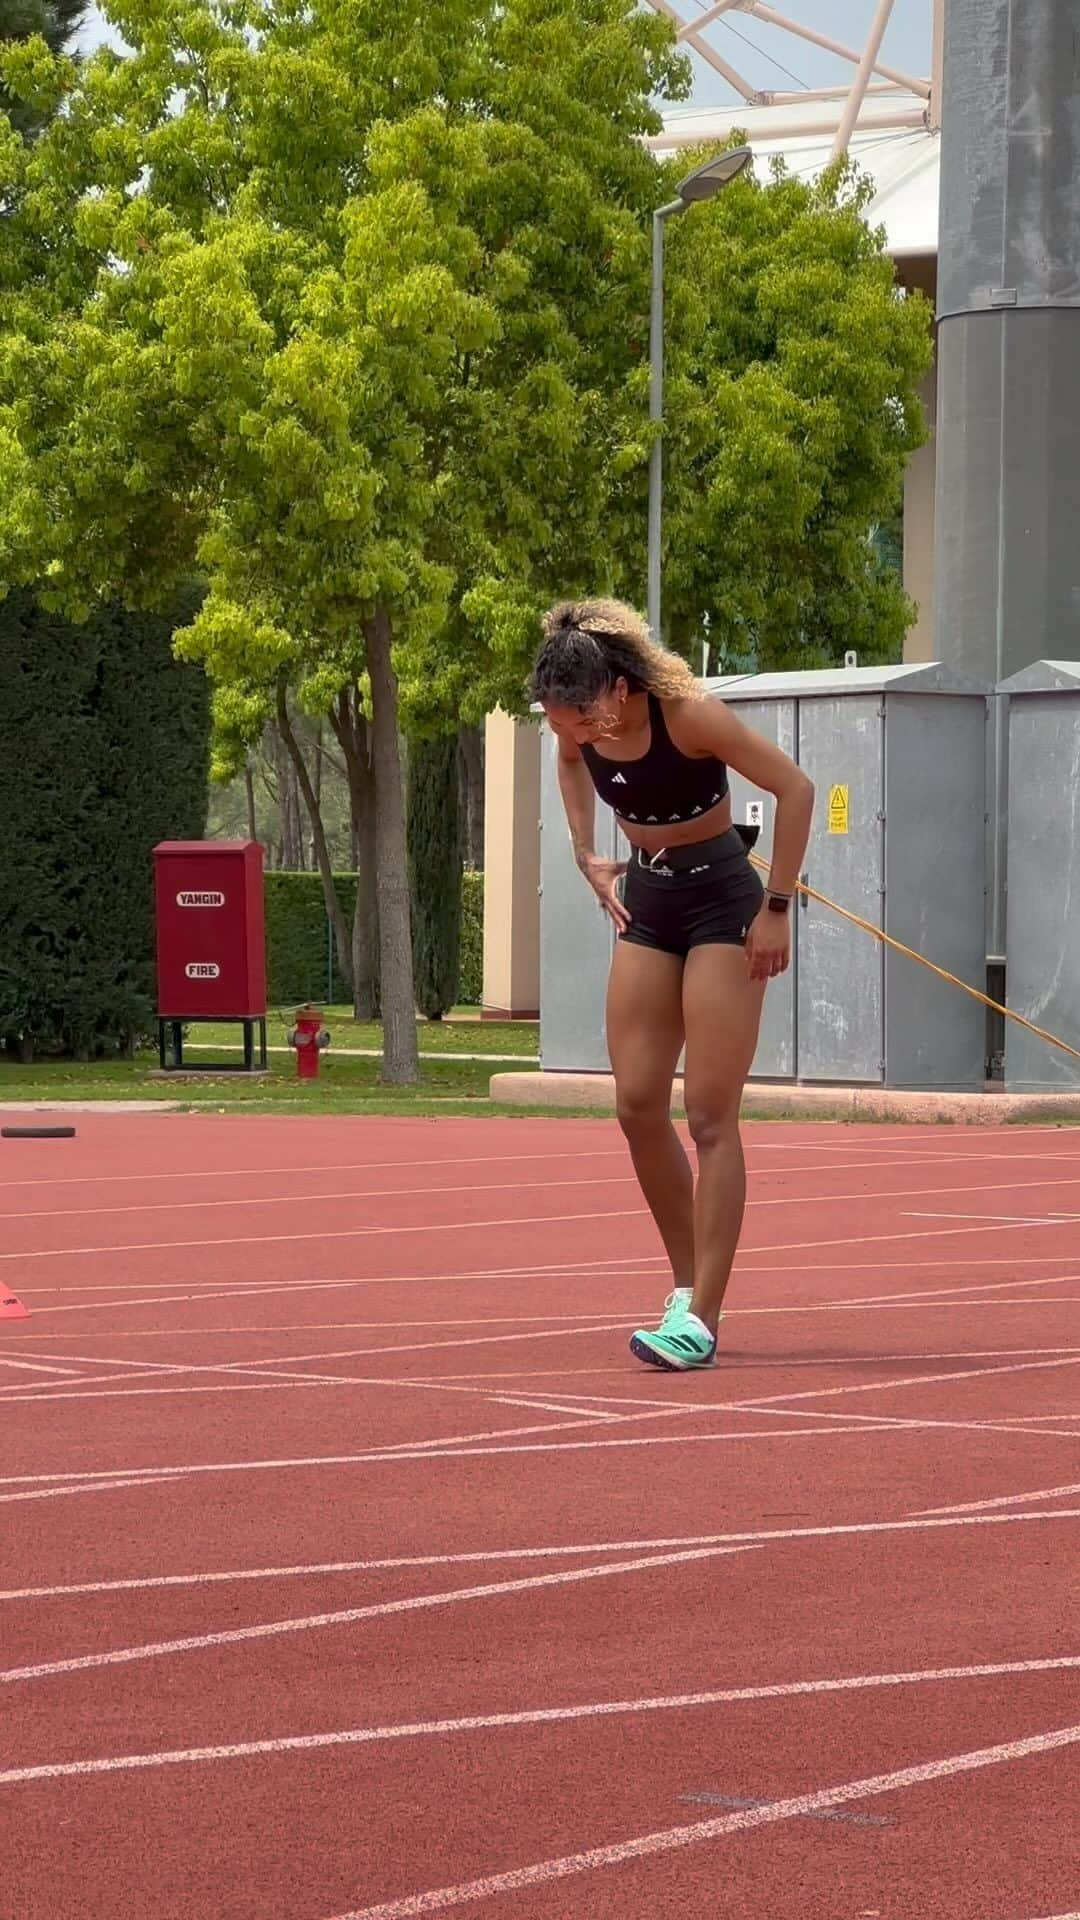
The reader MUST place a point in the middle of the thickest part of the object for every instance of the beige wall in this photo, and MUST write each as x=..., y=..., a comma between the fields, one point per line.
x=511, y=866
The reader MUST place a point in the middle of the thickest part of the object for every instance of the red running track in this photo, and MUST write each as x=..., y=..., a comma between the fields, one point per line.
x=351, y=1566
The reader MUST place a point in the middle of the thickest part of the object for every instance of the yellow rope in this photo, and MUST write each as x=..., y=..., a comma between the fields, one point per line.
x=942, y=973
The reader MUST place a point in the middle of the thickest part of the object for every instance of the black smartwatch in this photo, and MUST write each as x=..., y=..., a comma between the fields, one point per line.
x=778, y=902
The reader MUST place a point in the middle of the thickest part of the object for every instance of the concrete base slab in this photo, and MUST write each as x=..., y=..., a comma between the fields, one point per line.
x=88, y=1106
x=774, y=1100
x=178, y=1075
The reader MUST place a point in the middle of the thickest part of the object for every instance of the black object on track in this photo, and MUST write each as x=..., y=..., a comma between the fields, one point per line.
x=37, y=1133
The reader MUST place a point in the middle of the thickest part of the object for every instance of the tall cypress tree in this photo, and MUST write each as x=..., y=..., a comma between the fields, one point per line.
x=104, y=750
x=435, y=865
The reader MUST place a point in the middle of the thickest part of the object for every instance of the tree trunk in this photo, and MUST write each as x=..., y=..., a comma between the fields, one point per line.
x=249, y=789
x=322, y=852
x=471, y=776
x=354, y=737
x=292, y=843
x=317, y=783
x=401, y=1063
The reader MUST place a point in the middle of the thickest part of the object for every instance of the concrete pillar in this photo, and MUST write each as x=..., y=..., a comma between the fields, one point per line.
x=511, y=868
x=1008, y=469
x=919, y=485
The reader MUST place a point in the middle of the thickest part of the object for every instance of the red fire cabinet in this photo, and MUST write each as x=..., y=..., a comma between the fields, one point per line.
x=211, y=941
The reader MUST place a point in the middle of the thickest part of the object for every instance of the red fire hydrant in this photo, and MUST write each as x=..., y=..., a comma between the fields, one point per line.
x=310, y=1038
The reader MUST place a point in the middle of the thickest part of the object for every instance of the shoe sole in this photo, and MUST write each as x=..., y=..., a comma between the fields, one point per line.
x=642, y=1351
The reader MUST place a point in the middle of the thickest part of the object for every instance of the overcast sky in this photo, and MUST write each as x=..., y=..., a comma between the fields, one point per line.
x=762, y=53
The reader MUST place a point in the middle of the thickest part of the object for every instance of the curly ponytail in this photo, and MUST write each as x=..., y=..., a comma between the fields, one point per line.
x=590, y=644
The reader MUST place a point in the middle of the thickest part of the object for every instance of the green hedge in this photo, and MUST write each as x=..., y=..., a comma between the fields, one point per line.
x=298, y=944
x=104, y=750
x=471, y=977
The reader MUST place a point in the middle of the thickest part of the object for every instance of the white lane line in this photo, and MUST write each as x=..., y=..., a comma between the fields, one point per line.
x=159, y=1476
x=549, y=1406
x=348, y=1616
x=460, y=1226
x=485, y=1225
x=337, y=1233
x=636, y=1270
x=1063, y=1357
x=528, y=1717
x=267, y=1382
x=978, y=1286
x=1003, y=1500
x=910, y=1380
x=643, y=1267
x=849, y=1360
x=898, y=1304
x=999, y=1219
x=284, y=1385
x=330, y=1326
x=504, y=1186
x=646, y=1265
x=901, y=1422
x=580, y=1550
x=752, y=1403
x=1029, y=1419
x=37, y=1366
x=607, y=1268
x=150, y=1370
x=339, y=1166
x=438, y=1900
x=482, y=1557
x=599, y=1322
x=1008, y=1151
x=348, y=1193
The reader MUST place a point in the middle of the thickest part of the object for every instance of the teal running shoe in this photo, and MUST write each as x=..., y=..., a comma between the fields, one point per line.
x=680, y=1343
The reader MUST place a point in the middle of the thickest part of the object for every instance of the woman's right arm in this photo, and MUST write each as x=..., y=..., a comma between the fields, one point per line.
x=579, y=801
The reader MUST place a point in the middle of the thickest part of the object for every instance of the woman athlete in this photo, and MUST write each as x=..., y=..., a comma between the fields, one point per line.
x=699, y=935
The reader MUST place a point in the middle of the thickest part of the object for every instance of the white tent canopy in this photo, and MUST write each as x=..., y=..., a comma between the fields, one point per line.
x=891, y=143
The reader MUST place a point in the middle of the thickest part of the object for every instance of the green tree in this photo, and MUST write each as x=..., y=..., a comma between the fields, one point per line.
x=435, y=868
x=347, y=305
x=793, y=363
x=56, y=22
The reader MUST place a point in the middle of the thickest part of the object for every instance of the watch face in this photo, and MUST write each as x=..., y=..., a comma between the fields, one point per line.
x=778, y=906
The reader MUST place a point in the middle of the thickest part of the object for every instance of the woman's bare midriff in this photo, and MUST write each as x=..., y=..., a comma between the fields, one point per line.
x=681, y=833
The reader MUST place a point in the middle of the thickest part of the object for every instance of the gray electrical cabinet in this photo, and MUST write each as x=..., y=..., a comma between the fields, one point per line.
x=577, y=940
x=1042, y=967
x=897, y=755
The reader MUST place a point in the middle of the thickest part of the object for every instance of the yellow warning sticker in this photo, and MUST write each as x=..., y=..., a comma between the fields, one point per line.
x=839, y=809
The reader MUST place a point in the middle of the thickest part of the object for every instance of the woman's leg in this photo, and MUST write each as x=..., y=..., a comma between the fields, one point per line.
x=645, y=1037
x=722, y=1012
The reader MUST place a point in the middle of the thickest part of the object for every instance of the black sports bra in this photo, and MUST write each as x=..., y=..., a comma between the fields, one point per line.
x=661, y=787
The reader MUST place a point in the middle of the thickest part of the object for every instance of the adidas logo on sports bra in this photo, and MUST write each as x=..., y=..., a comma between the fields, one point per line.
x=618, y=779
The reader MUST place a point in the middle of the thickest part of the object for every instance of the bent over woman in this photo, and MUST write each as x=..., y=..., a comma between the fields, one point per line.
x=699, y=937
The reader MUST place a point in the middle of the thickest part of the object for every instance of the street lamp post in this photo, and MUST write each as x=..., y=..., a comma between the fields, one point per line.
x=699, y=185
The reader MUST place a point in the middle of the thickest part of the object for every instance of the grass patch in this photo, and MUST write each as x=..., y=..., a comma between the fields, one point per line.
x=519, y=1039
x=344, y=1086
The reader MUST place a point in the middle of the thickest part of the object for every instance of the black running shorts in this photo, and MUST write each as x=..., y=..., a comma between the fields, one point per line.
x=696, y=896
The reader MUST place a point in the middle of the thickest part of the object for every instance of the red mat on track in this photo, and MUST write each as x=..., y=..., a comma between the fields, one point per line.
x=352, y=1566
